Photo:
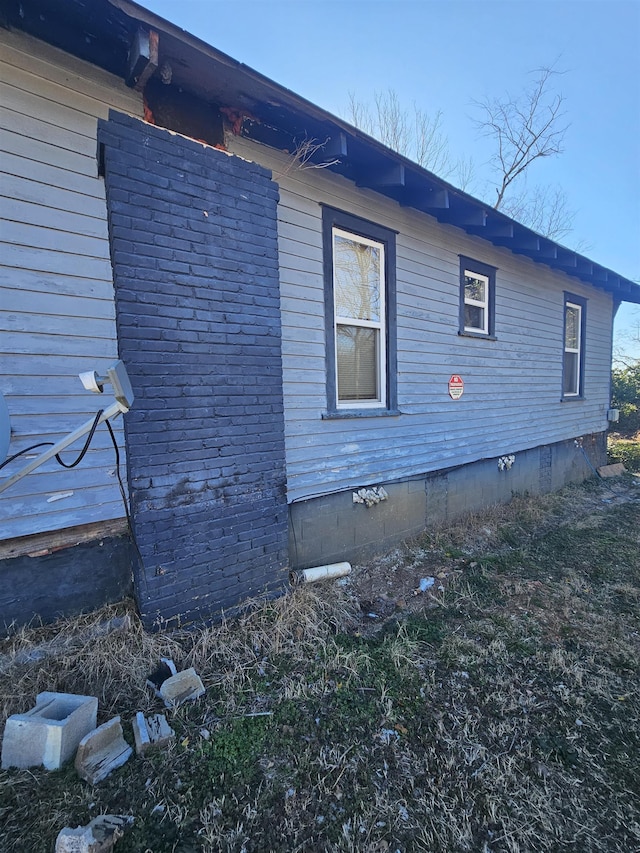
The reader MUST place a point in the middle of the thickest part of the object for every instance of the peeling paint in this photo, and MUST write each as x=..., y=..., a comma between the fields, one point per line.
x=350, y=448
x=60, y=496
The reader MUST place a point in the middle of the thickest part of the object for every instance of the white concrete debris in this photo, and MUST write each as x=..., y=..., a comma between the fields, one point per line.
x=99, y=836
x=150, y=732
x=370, y=497
x=48, y=734
x=185, y=686
x=102, y=751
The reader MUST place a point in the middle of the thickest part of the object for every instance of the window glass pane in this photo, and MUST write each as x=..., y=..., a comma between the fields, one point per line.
x=357, y=363
x=474, y=288
x=572, y=327
x=357, y=279
x=571, y=372
x=473, y=317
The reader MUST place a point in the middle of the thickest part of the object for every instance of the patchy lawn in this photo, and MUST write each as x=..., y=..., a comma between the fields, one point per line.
x=497, y=711
x=625, y=449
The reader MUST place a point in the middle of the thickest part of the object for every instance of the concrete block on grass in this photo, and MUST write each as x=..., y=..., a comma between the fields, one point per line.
x=615, y=470
x=48, y=734
x=97, y=837
x=183, y=687
x=150, y=732
x=102, y=751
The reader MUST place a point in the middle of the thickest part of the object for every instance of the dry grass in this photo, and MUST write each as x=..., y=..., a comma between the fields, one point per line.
x=500, y=713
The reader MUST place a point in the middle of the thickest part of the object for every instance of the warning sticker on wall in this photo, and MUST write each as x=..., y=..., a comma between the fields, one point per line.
x=456, y=387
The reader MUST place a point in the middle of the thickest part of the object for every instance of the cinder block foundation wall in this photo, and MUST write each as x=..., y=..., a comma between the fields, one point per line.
x=193, y=235
x=334, y=528
x=65, y=582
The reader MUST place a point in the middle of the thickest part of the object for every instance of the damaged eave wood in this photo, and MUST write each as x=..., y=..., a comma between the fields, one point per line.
x=143, y=58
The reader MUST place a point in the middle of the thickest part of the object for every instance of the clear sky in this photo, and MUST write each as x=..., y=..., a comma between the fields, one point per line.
x=443, y=55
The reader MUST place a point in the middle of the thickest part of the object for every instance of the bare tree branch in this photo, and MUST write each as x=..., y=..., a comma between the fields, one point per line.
x=525, y=128
x=413, y=132
x=303, y=155
x=543, y=209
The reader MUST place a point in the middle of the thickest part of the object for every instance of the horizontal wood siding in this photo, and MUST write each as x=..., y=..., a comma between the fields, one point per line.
x=56, y=292
x=512, y=395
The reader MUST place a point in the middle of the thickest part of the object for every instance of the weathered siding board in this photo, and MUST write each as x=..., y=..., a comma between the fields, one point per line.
x=56, y=198
x=16, y=210
x=512, y=386
x=57, y=315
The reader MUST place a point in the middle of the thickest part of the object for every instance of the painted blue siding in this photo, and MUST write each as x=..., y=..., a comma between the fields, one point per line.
x=512, y=397
x=57, y=315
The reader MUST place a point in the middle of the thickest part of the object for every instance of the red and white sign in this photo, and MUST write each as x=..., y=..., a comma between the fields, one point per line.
x=456, y=387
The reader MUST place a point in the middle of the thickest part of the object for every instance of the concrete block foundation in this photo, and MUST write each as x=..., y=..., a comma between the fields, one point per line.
x=333, y=528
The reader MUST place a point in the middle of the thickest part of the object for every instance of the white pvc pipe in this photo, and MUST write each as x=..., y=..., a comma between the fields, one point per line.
x=319, y=573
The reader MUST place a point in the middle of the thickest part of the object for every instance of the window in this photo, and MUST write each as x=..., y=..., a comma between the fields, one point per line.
x=477, y=298
x=359, y=264
x=573, y=365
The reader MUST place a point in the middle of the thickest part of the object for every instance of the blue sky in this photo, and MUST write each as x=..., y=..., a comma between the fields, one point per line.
x=443, y=55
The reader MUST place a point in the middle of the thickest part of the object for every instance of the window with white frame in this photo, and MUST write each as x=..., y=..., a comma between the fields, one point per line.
x=573, y=365
x=477, y=292
x=359, y=316
x=360, y=303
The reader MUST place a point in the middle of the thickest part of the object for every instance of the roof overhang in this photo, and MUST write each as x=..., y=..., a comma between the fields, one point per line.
x=108, y=33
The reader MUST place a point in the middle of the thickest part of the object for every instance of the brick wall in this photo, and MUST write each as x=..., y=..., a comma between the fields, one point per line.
x=193, y=236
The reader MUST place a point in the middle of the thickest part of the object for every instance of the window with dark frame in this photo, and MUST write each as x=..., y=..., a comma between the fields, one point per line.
x=359, y=270
x=477, y=298
x=575, y=310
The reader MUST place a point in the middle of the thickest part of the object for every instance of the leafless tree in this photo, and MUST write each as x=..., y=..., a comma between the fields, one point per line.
x=626, y=342
x=544, y=209
x=524, y=127
x=413, y=132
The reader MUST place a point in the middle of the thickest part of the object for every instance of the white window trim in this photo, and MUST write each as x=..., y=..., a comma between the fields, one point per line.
x=484, y=304
x=381, y=375
x=575, y=350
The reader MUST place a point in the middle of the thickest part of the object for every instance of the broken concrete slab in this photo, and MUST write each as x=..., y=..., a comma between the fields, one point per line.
x=150, y=732
x=49, y=733
x=102, y=751
x=185, y=686
x=99, y=836
x=615, y=470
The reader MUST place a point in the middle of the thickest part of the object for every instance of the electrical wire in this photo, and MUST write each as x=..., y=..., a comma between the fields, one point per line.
x=81, y=455
x=59, y=459
x=26, y=450
x=79, y=459
x=123, y=493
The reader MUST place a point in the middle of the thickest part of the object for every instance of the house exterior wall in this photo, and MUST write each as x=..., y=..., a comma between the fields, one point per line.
x=56, y=293
x=438, y=458
x=513, y=385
